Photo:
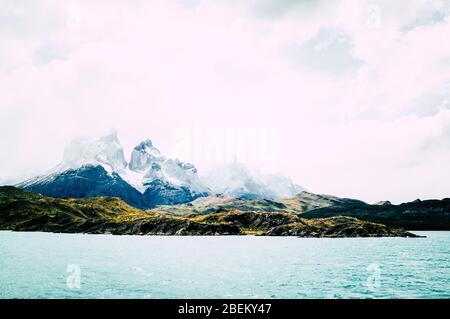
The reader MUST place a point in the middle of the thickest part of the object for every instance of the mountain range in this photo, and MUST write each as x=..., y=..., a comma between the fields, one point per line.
x=97, y=167
x=95, y=177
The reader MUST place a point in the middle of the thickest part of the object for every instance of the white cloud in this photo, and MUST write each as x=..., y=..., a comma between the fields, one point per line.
x=145, y=68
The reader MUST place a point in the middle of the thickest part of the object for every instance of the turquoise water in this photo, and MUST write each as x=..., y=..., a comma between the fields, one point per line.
x=45, y=265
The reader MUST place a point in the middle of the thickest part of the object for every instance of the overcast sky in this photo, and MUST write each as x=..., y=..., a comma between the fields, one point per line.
x=353, y=95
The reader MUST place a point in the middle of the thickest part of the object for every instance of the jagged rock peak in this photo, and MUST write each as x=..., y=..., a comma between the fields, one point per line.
x=147, y=147
x=143, y=156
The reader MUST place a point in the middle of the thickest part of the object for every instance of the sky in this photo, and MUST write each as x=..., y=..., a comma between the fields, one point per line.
x=350, y=98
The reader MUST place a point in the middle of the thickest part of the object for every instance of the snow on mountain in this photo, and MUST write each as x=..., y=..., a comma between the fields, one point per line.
x=148, y=165
x=105, y=151
x=97, y=167
x=239, y=181
x=143, y=156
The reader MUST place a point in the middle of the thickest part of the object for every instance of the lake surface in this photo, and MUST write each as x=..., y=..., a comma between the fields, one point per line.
x=45, y=265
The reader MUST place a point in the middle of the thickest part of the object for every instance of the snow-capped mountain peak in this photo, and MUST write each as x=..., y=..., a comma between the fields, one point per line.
x=105, y=151
x=148, y=166
x=143, y=156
